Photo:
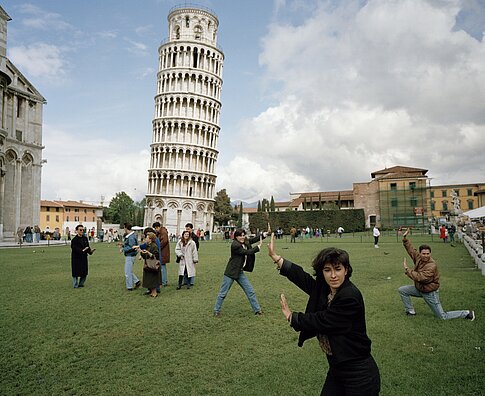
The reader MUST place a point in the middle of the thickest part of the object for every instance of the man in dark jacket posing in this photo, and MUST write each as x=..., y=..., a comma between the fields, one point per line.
x=242, y=259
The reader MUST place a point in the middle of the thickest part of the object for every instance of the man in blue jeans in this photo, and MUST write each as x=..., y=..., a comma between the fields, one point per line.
x=130, y=240
x=426, y=283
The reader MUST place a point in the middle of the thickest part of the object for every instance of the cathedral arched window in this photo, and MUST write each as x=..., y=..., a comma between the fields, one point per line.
x=198, y=32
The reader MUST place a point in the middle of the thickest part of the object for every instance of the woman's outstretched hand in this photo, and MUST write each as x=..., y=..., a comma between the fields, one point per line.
x=284, y=307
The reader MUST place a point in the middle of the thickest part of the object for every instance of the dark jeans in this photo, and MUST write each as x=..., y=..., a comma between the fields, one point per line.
x=353, y=379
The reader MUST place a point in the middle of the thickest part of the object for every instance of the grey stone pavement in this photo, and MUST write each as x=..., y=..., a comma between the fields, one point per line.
x=25, y=245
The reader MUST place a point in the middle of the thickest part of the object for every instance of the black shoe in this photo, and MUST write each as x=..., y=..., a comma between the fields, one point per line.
x=470, y=316
x=259, y=313
x=217, y=314
x=188, y=287
x=179, y=287
x=147, y=293
x=129, y=289
x=137, y=284
x=80, y=286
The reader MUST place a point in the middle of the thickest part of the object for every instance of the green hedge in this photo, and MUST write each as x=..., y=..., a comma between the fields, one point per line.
x=350, y=219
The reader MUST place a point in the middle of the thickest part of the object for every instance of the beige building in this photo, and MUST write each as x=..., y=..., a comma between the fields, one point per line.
x=470, y=196
x=394, y=197
x=68, y=214
x=21, y=147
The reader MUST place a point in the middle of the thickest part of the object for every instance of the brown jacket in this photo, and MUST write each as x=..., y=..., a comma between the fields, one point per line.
x=425, y=275
x=164, y=245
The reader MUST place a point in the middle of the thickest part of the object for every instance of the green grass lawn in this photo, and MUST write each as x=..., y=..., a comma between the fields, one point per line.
x=104, y=340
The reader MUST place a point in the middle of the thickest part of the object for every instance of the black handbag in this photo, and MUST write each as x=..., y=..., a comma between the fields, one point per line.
x=152, y=264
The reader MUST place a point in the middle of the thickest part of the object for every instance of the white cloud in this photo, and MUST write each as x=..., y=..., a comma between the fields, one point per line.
x=39, y=60
x=362, y=88
x=85, y=168
x=39, y=19
x=137, y=47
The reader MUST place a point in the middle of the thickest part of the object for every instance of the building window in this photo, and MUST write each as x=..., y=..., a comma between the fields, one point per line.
x=57, y=218
x=433, y=206
x=393, y=186
x=68, y=210
x=76, y=210
x=469, y=192
x=48, y=218
x=470, y=204
x=445, y=205
x=57, y=209
x=198, y=32
x=47, y=209
x=413, y=202
x=187, y=21
x=94, y=219
x=443, y=193
x=18, y=135
x=67, y=218
x=76, y=218
x=394, y=203
x=85, y=211
x=20, y=103
x=84, y=218
x=431, y=194
x=457, y=192
x=412, y=185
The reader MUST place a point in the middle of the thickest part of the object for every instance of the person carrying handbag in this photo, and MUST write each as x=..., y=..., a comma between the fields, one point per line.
x=151, y=273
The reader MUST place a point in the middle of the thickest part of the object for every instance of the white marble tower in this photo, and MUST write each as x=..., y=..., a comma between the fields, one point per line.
x=181, y=177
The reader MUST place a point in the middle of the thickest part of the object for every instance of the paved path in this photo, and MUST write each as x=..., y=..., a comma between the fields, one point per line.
x=26, y=245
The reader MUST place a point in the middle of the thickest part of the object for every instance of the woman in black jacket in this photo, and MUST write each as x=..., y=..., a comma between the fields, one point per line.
x=242, y=259
x=335, y=314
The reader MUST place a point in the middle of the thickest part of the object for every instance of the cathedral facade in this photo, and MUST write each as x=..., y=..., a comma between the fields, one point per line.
x=181, y=177
x=21, y=147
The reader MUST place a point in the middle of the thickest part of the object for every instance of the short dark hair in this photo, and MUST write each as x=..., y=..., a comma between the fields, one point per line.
x=423, y=247
x=156, y=224
x=332, y=256
x=127, y=226
x=239, y=232
x=190, y=225
x=79, y=226
x=147, y=230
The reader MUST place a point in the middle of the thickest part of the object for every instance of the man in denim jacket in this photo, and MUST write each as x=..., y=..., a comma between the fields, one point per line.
x=130, y=240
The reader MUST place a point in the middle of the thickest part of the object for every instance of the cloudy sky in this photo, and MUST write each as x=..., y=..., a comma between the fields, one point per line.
x=317, y=94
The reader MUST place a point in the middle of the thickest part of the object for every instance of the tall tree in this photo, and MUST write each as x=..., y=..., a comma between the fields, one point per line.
x=260, y=208
x=121, y=208
x=272, y=206
x=223, y=211
x=240, y=216
x=320, y=201
x=265, y=205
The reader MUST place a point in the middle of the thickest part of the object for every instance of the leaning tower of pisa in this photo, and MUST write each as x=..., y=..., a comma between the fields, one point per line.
x=181, y=177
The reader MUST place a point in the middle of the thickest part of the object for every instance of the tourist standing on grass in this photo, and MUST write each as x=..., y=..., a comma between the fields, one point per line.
x=426, y=283
x=79, y=257
x=144, y=246
x=162, y=234
x=151, y=279
x=340, y=231
x=293, y=235
x=127, y=247
x=335, y=314
x=187, y=255
x=376, y=233
x=190, y=228
x=242, y=259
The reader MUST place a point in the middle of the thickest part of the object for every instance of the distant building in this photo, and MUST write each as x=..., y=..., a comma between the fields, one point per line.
x=68, y=214
x=181, y=177
x=396, y=196
x=20, y=144
x=471, y=196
